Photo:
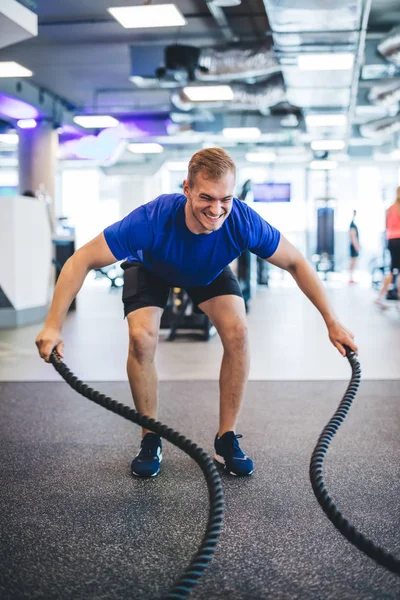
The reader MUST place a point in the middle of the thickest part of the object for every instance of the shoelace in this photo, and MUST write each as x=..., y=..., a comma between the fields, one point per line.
x=236, y=446
x=148, y=449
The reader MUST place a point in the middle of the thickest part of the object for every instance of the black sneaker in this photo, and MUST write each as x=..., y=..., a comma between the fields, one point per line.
x=229, y=454
x=147, y=463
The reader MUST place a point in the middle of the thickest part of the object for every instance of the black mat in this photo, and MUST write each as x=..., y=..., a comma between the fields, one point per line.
x=76, y=526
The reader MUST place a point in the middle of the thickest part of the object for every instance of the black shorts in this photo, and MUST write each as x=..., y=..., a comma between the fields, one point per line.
x=142, y=288
x=394, y=249
x=353, y=252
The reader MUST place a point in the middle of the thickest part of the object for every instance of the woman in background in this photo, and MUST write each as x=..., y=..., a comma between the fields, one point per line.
x=393, y=237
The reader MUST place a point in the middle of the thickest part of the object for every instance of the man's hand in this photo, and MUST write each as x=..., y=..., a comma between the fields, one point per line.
x=339, y=335
x=48, y=339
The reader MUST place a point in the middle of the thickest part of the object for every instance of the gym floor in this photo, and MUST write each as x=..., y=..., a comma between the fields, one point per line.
x=287, y=336
x=77, y=526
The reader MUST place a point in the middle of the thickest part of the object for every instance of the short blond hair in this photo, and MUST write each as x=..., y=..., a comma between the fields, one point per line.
x=214, y=162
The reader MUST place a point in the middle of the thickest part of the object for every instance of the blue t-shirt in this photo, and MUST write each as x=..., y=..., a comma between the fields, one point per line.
x=156, y=234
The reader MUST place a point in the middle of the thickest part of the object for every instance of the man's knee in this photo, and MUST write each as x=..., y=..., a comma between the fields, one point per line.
x=142, y=344
x=234, y=336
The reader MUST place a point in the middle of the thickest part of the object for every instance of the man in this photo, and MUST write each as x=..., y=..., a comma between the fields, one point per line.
x=188, y=241
x=354, y=247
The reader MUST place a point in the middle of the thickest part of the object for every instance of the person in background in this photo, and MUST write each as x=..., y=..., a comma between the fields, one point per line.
x=354, y=248
x=393, y=238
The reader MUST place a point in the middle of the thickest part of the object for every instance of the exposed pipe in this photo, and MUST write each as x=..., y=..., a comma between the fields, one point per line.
x=385, y=94
x=221, y=20
x=259, y=96
x=357, y=67
x=389, y=46
x=238, y=62
x=381, y=128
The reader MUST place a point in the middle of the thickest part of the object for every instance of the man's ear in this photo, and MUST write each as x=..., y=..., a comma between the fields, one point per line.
x=185, y=186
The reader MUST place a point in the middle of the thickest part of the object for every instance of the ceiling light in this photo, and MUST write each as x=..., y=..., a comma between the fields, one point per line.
x=177, y=165
x=241, y=133
x=327, y=145
x=226, y=3
x=145, y=148
x=289, y=121
x=9, y=138
x=13, y=69
x=323, y=165
x=210, y=93
x=329, y=120
x=140, y=17
x=325, y=62
x=261, y=157
x=26, y=123
x=96, y=121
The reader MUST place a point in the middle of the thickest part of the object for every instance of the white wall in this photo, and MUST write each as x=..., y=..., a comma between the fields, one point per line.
x=289, y=217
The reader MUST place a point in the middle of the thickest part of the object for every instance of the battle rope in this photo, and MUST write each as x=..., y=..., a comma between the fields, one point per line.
x=378, y=554
x=184, y=585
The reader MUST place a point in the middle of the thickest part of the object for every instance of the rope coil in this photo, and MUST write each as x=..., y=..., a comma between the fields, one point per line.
x=348, y=530
x=187, y=581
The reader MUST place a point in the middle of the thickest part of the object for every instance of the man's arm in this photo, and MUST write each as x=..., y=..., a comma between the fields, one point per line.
x=94, y=254
x=289, y=258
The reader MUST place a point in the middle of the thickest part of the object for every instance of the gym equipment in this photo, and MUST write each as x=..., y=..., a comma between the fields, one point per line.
x=113, y=273
x=181, y=315
x=348, y=530
x=199, y=563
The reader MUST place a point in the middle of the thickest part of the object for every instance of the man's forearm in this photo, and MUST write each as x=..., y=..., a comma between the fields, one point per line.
x=69, y=283
x=310, y=284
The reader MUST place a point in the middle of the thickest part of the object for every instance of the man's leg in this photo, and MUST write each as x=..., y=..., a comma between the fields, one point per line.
x=144, y=326
x=228, y=315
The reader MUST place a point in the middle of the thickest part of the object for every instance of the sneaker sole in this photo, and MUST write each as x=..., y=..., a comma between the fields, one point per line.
x=148, y=476
x=221, y=463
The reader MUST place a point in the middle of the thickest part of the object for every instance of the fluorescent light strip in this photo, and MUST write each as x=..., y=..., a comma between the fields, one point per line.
x=323, y=165
x=13, y=69
x=328, y=120
x=241, y=133
x=327, y=145
x=96, y=121
x=261, y=157
x=145, y=148
x=210, y=93
x=325, y=62
x=26, y=123
x=141, y=17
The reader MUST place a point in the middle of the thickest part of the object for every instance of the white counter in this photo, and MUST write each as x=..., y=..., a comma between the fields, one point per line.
x=25, y=260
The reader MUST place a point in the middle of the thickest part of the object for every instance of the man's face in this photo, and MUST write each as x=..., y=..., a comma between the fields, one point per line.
x=209, y=202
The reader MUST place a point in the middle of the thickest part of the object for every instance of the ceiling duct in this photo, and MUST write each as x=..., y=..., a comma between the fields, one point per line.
x=381, y=127
x=237, y=63
x=389, y=46
x=174, y=65
x=304, y=27
x=259, y=96
x=385, y=94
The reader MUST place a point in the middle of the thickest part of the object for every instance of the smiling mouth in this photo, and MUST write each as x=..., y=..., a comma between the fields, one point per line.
x=212, y=218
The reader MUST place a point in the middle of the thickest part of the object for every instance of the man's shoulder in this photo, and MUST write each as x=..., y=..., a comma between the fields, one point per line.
x=161, y=211
x=168, y=201
x=242, y=212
